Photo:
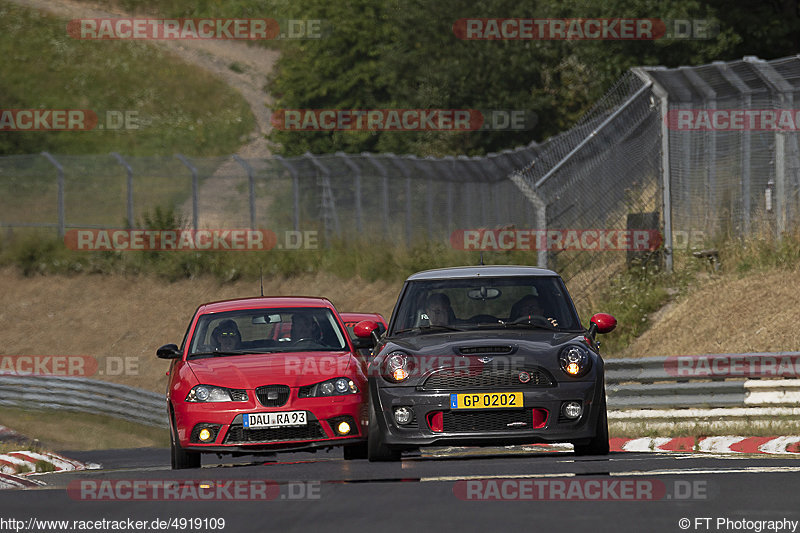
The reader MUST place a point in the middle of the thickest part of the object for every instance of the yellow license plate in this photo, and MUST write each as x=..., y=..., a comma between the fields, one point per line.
x=487, y=400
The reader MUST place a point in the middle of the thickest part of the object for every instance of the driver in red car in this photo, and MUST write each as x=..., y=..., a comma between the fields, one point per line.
x=304, y=330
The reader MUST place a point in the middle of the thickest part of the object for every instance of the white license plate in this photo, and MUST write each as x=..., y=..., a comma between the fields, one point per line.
x=274, y=420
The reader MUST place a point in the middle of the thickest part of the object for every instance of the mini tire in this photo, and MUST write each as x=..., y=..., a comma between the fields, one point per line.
x=599, y=444
x=377, y=450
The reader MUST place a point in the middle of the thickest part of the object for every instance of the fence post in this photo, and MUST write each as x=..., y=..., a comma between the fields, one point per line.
x=129, y=172
x=541, y=212
x=329, y=212
x=252, y=185
x=401, y=165
x=60, y=170
x=784, y=89
x=356, y=185
x=666, y=193
x=384, y=191
x=745, y=142
x=709, y=102
x=295, y=191
x=193, y=170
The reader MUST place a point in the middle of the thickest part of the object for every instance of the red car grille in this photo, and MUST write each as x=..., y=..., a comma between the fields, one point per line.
x=273, y=395
x=238, y=435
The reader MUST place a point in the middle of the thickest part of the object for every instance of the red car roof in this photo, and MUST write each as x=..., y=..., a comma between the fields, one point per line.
x=265, y=301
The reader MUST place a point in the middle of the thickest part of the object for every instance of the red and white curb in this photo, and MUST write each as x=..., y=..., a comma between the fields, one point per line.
x=760, y=445
x=12, y=462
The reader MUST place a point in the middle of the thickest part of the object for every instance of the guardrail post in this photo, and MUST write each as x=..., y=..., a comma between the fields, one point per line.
x=61, y=217
x=193, y=170
x=129, y=185
x=252, y=188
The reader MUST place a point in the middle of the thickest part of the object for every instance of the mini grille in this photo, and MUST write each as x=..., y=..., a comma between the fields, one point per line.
x=488, y=378
x=472, y=350
x=496, y=420
x=237, y=434
x=273, y=395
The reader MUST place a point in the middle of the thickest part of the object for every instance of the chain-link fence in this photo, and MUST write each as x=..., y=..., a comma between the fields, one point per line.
x=683, y=151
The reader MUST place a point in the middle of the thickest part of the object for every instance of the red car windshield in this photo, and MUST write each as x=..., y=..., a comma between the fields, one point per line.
x=267, y=331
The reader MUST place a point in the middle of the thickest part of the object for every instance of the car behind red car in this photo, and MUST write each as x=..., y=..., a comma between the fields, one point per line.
x=240, y=384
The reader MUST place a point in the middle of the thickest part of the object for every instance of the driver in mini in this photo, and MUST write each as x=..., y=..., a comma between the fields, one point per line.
x=529, y=306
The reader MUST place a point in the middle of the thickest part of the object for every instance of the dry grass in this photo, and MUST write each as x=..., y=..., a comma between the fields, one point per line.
x=56, y=430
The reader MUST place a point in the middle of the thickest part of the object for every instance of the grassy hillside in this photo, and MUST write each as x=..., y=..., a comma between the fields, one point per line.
x=180, y=109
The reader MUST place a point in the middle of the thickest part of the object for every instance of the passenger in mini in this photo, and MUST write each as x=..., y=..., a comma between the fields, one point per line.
x=439, y=310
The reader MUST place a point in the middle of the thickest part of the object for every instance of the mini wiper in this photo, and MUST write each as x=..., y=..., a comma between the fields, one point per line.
x=537, y=324
x=428, y=328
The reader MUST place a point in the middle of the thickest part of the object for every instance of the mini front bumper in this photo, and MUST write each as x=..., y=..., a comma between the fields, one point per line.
x=555, y=428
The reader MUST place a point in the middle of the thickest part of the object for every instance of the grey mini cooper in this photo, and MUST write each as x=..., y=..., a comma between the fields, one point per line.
x=486, y=355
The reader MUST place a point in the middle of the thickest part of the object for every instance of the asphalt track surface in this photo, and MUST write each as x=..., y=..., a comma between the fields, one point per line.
x=426, y=492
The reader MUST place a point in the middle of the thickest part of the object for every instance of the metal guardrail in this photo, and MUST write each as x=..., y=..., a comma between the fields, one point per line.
x=644, y=384
x=84, y=395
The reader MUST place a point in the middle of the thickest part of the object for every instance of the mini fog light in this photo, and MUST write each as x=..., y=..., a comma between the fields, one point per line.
x=343, y=428
x=572, y=409
x=204, y=435
x=399, y=374
x=403, y=415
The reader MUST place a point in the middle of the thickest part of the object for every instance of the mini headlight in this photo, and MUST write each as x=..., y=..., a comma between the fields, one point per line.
x=326, y=388
x=397, y=366
x=574, y=360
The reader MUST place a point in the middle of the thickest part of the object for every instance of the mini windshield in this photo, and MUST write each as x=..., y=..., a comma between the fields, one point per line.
x=267, y=331
x=460, y=304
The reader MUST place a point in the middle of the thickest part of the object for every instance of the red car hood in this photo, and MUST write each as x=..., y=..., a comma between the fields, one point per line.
x=254, y=370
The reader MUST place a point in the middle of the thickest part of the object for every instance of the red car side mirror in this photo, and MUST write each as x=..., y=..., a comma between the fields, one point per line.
x=365, y=328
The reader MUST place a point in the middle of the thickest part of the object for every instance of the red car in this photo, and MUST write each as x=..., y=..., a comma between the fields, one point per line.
x=259, y=375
